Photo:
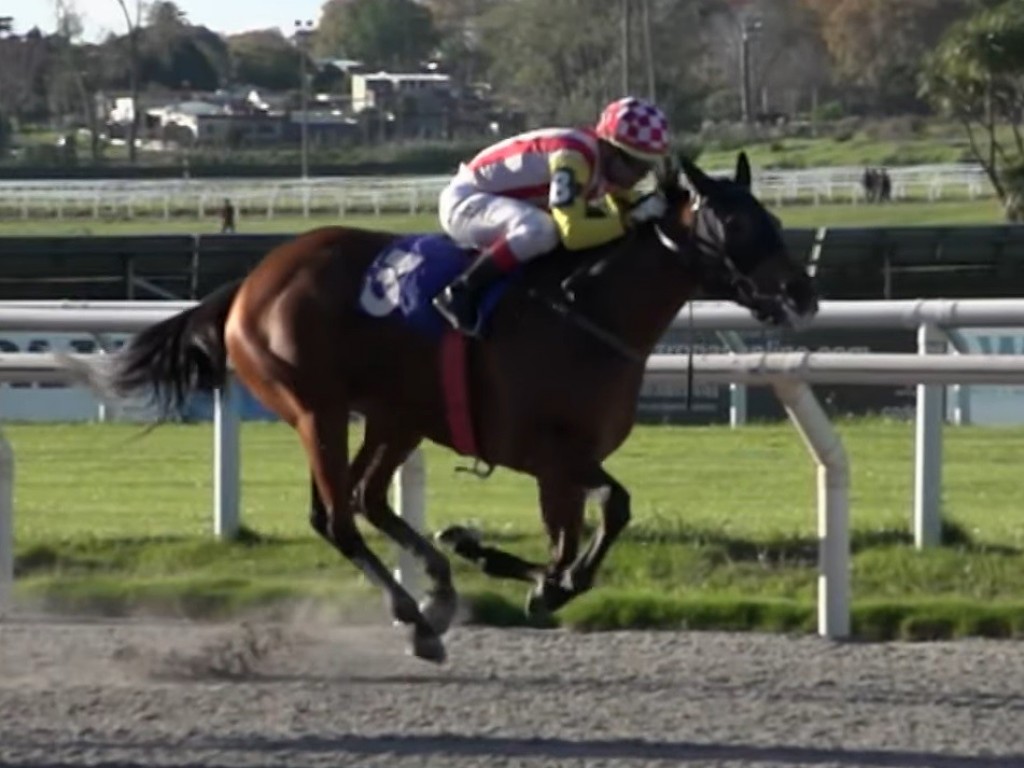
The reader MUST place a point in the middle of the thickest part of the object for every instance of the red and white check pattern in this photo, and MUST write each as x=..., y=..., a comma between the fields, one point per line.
x=635, y=125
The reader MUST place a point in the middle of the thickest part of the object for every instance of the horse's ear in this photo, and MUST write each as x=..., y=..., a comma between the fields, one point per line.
x=743, y=175
x=701, y=182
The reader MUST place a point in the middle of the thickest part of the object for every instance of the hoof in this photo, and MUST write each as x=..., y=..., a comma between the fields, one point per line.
x=454, y=535
x=546, y=598
x=427, y=646
x=536, y=607
x=439, y=609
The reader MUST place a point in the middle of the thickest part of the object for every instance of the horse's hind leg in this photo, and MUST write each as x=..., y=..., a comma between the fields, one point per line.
x=562, y=510
x=465, y=542
x=325, y=437
x=491, y=560
x=374, y=466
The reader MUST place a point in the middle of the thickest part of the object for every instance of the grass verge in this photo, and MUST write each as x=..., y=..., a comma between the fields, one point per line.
x=723, y=533
x=698, y=582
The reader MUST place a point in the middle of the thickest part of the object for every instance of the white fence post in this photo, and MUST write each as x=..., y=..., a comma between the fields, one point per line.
x=6, y=525
x=961, y=393
x=409, y=488
x=826, y=447
x=226, y=476
x=928, y=444
x=737, y=392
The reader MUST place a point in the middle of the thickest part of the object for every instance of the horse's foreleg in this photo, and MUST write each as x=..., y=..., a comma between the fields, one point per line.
x=376, y=464
x=562, y=506
x=327, y=447
x=573, y=579
x=615, y=515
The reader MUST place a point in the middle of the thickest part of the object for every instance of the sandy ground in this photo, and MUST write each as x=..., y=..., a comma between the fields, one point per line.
x=313, y=692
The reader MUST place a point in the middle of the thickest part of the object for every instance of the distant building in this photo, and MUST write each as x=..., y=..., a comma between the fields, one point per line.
x=379, y=90
x=347, y=66
x=324, y=128
x=204, y=123
x=414, y=105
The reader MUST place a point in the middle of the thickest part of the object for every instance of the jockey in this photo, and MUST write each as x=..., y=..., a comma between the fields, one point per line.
x=523, y=196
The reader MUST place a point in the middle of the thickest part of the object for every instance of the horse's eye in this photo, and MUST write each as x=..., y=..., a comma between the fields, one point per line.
x=738, y=229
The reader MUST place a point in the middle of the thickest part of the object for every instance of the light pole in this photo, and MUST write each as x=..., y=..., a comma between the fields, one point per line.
x=746, y=24
x=303, y=31
x=749, y=26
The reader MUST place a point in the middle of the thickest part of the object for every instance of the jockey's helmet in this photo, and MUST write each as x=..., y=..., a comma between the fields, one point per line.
x=637, y=127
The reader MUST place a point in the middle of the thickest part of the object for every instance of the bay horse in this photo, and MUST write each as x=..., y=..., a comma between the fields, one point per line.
x=552, y=389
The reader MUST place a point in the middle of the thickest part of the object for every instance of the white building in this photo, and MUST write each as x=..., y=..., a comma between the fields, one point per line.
x=378, y=89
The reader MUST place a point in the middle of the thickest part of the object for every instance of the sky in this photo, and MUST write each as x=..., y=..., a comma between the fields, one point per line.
x=103, y=16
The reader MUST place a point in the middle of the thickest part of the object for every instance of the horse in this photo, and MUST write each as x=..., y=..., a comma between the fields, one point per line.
x=551, y=391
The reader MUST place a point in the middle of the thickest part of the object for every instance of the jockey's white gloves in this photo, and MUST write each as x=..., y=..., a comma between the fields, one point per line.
x=648, y=208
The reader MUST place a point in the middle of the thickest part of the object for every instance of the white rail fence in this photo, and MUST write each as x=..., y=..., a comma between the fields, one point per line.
x=269, y=198
x=790, y=374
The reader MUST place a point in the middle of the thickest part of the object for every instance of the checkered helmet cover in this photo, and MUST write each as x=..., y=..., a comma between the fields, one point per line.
x=636, y=126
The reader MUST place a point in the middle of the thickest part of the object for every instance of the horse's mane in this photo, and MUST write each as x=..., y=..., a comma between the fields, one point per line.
x=546, y=273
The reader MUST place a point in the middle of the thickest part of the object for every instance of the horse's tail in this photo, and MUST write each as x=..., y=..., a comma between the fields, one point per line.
x=171, y=359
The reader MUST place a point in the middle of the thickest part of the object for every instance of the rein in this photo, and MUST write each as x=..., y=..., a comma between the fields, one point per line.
x=562, y=305
x=564, y=309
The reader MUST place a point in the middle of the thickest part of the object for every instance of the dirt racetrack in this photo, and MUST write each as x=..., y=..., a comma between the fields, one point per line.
x=102, y=693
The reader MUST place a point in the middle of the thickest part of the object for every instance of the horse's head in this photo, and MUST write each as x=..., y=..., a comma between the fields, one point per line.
x=741, y=254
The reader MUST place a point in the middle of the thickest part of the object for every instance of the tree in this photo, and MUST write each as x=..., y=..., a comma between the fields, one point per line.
x=181, y=56
x=977, y=75
x=77, y=69
x=264, y=58
x=24, y=62
x=329, y=40
x=790, y=59
x=5, y=133
x=132, y=23
x=164, y=15
x=879, y=45
x=558, y=60
x=460, y=51
x=561, y=62
x=391, y=34
x=785, y=54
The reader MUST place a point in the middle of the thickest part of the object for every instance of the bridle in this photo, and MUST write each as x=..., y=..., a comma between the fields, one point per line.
x=716, y=268
x=713, y=265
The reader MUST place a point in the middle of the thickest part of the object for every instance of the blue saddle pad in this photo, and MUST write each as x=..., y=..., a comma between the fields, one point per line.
x=410, y=272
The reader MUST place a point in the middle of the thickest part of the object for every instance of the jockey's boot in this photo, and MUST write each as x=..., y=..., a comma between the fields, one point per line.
x=459, y=302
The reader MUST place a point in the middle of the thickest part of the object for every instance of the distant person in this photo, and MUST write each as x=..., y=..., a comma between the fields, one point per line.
x=227, y=217
x=870, y=183
x=884, y=186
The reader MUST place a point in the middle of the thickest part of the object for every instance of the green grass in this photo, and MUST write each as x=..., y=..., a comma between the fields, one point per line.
x=858, y=151
x=894, y=142
x=795, y=216
x=723, y=534
x=948, y=213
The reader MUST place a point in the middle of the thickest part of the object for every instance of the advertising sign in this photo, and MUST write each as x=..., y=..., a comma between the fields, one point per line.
x=994, y=405
x=660, y=402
